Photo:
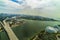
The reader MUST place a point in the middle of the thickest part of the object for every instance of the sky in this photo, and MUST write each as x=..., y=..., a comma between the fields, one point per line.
x=46, y=8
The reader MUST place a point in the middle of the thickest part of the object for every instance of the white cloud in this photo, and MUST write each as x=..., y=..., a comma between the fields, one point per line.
x=27, y=3
x=38, y=7
x=12, y=5
x=37, y=3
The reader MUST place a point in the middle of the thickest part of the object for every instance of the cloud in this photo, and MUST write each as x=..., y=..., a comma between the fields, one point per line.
x=34, y=7
x=36, y=3
x=8, y=6
x=20, y=4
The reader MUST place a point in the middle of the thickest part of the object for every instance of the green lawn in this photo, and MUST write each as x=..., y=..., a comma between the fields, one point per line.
x=30, y=28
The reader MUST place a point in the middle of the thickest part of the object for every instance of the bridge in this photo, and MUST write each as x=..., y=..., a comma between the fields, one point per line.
x=9, y=31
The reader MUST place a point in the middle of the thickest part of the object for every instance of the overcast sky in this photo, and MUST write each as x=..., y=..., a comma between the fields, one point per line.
x=47, y=8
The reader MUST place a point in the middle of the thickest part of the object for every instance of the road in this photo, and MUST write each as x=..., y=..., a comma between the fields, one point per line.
x=9, y=31
x=58, y=37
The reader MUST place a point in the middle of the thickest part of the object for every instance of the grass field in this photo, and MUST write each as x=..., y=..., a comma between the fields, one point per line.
x=29, y=29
